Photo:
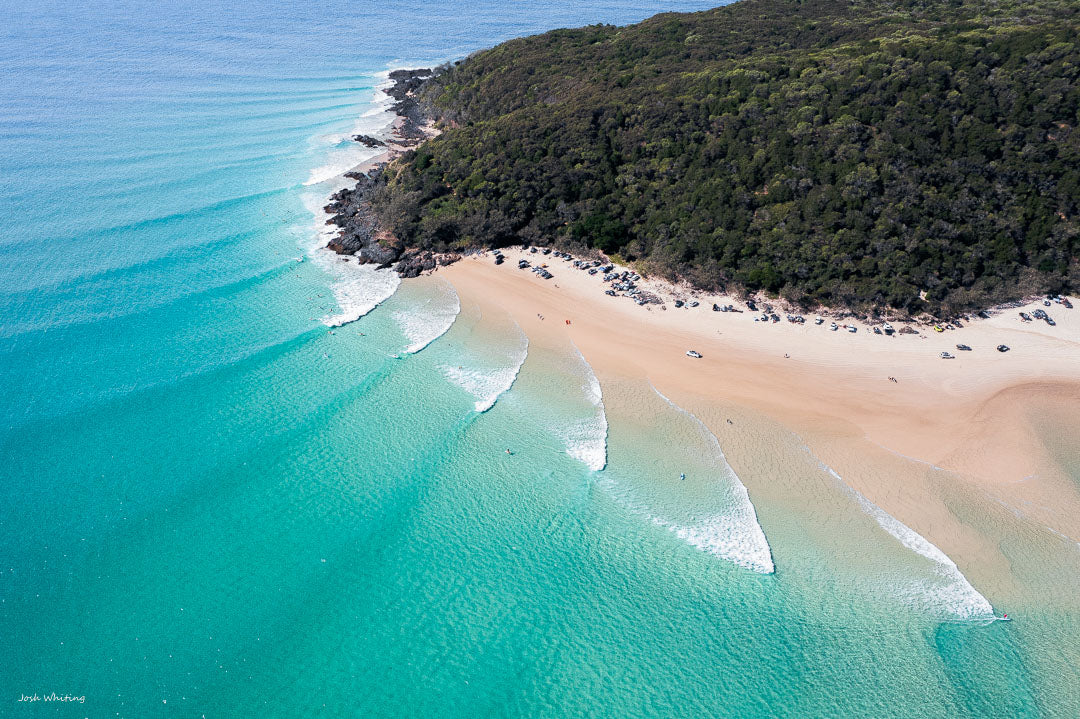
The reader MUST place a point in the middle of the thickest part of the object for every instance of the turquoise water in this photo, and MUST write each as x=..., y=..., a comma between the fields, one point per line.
x=216, y=501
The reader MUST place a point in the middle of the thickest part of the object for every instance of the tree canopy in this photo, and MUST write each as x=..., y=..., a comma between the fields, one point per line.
x=840, y=152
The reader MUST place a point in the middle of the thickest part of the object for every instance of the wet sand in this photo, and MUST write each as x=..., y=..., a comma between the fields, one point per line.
x=966, y=427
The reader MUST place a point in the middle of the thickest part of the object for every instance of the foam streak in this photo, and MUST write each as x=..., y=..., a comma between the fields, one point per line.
x=488, y=385
x=426, y=323
x=735, y=534
x=957, y=595
x=586, y=440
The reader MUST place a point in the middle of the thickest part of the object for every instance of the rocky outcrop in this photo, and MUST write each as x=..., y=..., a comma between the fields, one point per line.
x=407, y=106
x=369, y=141
x=413, y=263
x=350, y=208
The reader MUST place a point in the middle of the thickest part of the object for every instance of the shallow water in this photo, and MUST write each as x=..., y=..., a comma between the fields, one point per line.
x=240, y=476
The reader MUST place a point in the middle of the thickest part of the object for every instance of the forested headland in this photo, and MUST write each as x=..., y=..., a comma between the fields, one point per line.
x=922, y=156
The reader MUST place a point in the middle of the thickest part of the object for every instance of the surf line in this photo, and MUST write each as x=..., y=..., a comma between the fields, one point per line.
x=592, y=457
x=426, y=322
x=977, y=607
x=742, y=514
x=487, y=388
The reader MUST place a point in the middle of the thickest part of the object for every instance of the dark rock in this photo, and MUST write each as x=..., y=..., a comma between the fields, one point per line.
x=408, y=105
x=350, y=208
x=415, y=262
x=369, y=141
x=379, y=254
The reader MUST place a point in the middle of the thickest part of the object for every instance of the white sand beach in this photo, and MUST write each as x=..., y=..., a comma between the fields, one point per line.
x=977, y=419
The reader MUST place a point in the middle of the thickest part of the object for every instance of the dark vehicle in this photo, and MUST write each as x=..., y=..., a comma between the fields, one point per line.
x=963, y=348
x=1003, y=348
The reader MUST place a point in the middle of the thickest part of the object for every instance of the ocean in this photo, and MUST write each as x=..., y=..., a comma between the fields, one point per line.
x=241, y=477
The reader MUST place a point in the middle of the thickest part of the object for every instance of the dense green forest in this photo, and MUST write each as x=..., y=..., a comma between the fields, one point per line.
x=830, y=151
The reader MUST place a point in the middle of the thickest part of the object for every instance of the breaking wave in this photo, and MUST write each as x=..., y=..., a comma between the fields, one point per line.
x=585, y=438
x=347, y=153
x=426, y=322
x=358, y=289
x=954, y=592
x=733, y=534
x=487, y=385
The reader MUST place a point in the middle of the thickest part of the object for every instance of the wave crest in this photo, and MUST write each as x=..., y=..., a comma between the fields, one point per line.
x=487, y=385
x=734, y=534
x=955, y=593
x=426, y=322
x=358, y=289
x=586, y=438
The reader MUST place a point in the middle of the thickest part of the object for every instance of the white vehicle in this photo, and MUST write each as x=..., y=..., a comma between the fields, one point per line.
x=693, y=353
x=946, y=355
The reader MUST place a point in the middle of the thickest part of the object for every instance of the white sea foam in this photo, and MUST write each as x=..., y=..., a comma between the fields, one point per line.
x=734, y=534
x=358, y=289
x=953, y=592
x=585, y=438
x=342, y=162
x=345, y=153
x=426, y=322
x=487, y=385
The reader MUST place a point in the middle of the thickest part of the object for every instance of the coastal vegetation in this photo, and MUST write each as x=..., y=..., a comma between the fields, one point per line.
x=922, y=156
